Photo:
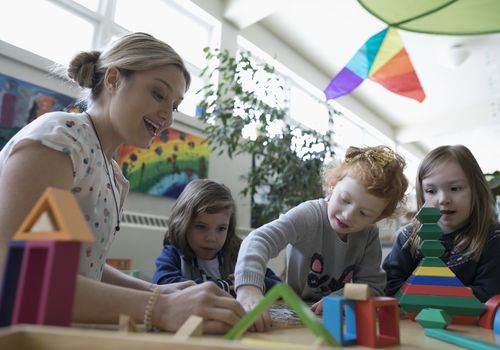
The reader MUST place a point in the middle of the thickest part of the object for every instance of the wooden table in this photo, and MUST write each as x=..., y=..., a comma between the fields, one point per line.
x=59, y=338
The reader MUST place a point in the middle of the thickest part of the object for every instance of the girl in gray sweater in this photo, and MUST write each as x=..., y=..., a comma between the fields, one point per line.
x=332, y=240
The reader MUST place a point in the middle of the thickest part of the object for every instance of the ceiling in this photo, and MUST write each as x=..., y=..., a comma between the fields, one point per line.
x=462, y=102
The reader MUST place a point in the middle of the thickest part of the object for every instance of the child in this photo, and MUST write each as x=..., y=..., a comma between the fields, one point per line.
x=133, y=86
x=201, y=242
x=332, y=240
x=450, y=179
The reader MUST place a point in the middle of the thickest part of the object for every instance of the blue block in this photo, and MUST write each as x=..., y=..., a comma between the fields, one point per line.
x=496, y=322
x=333, y=308
x=10, y=280
x=435, y=280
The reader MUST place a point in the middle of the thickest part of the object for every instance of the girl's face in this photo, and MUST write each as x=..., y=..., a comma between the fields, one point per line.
x=446, y=187
x=207, y=234
x=142, y=106
x=351, y=208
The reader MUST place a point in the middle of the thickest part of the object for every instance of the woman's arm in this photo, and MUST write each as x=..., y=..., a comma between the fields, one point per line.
x=97, y=302
x=30, y=169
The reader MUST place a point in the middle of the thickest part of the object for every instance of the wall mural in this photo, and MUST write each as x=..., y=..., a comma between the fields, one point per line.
x=173, y=159
x=21, y=102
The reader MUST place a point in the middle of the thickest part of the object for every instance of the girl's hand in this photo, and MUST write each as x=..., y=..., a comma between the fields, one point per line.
x=249, y=296
x=317, y=307
x=218, y=309
x=175, y=287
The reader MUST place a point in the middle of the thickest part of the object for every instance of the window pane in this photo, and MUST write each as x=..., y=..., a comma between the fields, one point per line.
x=307, y=110
x=58, y=40
x=347, y=133
x=191, y=99
x=90, y=4
x=186, y=34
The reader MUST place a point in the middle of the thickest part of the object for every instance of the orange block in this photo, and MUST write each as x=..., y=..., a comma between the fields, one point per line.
x=55, y=216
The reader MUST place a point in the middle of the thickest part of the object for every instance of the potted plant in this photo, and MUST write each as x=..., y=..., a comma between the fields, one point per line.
x=286, y=165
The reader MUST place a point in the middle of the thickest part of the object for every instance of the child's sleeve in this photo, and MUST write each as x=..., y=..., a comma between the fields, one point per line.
x=486, y=281
x=266, y=242
x=369, y=270
x=399, y=263
x=168, y=267
x=270, y=280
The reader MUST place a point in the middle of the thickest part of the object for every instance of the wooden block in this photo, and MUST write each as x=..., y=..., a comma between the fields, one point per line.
x=430, y=231
x=433, y=271
x=192, y=327
x=428, y=214
x=486, y=320
x=427, y=289
x=47, y=283
x=388, y=322
x=431, y=248
x=64, y=215
x=435, y=280
x=455, y=319
x=433, y=318
x=356, y=291
x=291, y=298
x=452, y=305
x=496, y=322
x=432, y=261
x=458, y=339
x=126, y=324
x=10, y=281
x=334, y=309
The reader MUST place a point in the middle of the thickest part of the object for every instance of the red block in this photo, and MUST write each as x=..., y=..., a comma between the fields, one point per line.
x=47, y=283
x=388, y=322
x=428, y=289
x=486, y=320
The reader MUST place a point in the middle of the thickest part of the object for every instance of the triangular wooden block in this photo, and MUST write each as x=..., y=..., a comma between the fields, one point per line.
x=126, y=324
x=56, y=216
x=192, y=327
x=281, y=290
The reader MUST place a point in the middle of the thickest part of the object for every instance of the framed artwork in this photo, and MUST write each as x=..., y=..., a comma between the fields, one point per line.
x=21, y=102
x=173, y=159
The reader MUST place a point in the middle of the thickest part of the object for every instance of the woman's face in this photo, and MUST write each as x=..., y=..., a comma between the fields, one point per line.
x=142, y=105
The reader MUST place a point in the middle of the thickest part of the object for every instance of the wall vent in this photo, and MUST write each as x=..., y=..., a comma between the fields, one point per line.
x=140, y=220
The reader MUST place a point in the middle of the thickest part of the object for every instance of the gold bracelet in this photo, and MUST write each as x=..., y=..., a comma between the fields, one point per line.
x=148, y=312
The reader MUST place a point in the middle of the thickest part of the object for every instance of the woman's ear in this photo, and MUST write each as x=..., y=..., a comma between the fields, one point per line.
x=112, y=79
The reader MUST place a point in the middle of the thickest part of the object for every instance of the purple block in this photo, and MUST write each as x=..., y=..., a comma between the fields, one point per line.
x=10, y=281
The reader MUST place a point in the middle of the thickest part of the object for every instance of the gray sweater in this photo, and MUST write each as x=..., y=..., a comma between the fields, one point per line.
x=318, y=262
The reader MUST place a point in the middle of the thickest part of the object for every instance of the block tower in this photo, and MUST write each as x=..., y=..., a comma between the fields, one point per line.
x=42, y=262
x=433, y=284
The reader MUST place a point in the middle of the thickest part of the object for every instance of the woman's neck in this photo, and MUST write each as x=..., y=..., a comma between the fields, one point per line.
x=105, y=131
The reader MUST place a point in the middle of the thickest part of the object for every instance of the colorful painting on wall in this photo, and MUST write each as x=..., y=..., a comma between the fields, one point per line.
x=173, y=159
x=21, y=102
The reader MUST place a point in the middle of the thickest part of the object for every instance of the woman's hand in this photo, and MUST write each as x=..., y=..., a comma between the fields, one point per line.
x=175, y=287
x=218, y=309
x=249, y=296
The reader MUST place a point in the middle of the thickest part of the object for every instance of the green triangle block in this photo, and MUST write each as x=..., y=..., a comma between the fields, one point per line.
x=281, y=290
x=428, y=215
x=431, y=248
x=433, y=318
x=430, y=231
x=432, y=262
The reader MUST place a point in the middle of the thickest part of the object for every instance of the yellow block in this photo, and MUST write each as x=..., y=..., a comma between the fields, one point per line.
x=433, y=271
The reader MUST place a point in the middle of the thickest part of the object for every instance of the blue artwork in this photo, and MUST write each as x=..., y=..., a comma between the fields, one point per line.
x=21, y=102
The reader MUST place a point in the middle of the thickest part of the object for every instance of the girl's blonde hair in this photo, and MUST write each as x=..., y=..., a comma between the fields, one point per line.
x=378, y=168
x=472, y=239
x=129, y=53
x=202, y=196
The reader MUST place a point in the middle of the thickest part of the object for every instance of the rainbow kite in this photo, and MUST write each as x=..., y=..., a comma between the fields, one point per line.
x=384, y=60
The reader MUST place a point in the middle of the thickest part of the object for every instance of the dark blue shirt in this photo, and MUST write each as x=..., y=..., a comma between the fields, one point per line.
x=172, y=266
x=482, y=276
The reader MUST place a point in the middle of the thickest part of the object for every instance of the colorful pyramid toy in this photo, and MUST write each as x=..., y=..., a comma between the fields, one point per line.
x=383, y=59
x=433, y=284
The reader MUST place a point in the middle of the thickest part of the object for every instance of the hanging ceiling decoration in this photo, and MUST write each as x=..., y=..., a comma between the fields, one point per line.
x=449, y=17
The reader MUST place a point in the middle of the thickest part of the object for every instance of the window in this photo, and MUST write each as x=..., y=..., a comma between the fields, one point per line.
x=167, y=21
x=58, y=40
